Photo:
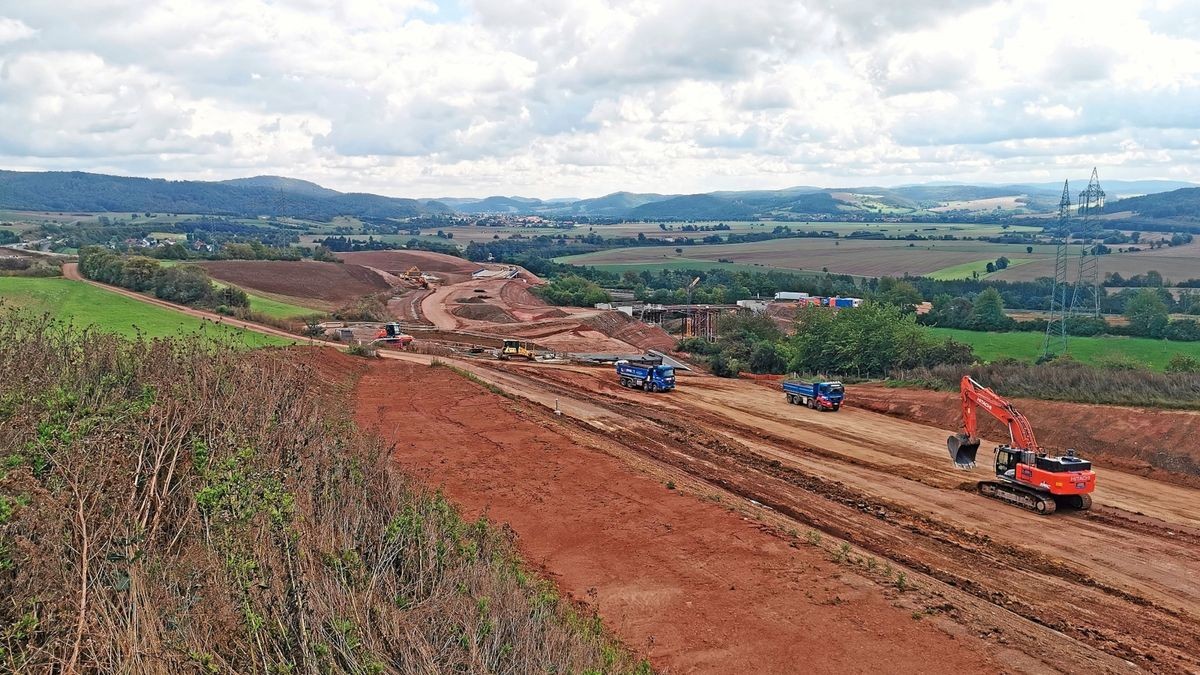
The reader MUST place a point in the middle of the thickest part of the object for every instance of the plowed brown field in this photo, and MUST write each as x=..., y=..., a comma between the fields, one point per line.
x=398, y=262
x=327, y=284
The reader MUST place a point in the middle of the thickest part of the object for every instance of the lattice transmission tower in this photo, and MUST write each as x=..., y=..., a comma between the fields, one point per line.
x=1055, y=341
x=1085, y=299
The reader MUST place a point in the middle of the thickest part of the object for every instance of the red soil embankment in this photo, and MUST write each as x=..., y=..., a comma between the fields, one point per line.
x=1158, y=444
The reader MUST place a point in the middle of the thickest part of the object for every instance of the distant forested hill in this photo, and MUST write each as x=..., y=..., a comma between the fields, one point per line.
x=89, y=192
x=694, y=207
x=1183, y=203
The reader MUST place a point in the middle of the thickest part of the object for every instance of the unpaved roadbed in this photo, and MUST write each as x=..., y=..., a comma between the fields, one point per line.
x=694, y=584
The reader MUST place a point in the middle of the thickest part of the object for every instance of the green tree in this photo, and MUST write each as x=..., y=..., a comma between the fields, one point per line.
x=767, y=357
x=139, y=273
x=572, y=290
x=988, y=312
x=949, y=312
x=1147, y=313
x=184, y=284
x=867, y=341
x=323, y=254
x=898, y=293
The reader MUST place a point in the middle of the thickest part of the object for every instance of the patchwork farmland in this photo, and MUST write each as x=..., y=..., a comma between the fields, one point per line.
x=843, y=256
x=893, y=257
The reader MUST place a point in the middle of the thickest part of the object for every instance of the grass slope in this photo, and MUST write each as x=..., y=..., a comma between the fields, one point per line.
x=1028, y=346
x=86, y=305
x=273, y=308
x=277, y=309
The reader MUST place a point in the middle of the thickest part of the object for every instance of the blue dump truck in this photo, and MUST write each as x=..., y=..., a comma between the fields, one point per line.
x=648, y=374
x=816, y=395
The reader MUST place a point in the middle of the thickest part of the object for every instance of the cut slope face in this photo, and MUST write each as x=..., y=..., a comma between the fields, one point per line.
x=320, y=283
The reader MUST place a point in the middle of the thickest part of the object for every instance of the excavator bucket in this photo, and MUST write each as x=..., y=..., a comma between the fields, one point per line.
x=962, y=450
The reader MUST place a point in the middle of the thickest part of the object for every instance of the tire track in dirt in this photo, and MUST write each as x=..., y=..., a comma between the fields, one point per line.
x=694, y=584
x=1112, y=619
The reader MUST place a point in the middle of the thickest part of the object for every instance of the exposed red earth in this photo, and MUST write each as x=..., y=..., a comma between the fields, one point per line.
x=694, y=584
x=767, y=494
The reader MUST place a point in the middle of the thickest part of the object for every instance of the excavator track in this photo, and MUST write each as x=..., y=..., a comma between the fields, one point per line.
x=1030, y=500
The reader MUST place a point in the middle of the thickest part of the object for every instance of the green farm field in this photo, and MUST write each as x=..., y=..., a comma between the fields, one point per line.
x=972, y=269
x=1028, y=346
x=85, y=305
x=277, y=309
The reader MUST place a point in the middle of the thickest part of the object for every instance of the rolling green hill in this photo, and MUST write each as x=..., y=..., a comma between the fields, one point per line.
x=85, y=305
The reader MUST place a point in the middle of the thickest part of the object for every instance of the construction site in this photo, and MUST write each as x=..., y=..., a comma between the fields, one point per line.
x=715, y=527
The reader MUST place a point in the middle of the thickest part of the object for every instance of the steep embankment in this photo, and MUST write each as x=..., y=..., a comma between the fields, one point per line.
x=175, y=506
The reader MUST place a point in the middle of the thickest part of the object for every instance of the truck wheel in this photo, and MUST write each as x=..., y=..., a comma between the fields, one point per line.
x=837, y=407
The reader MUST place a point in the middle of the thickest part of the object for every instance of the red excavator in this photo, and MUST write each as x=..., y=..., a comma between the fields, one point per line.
x=1025, y=474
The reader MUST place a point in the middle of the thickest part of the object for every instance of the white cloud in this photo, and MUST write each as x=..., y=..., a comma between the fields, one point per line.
x=12, y=30
x=544, y=97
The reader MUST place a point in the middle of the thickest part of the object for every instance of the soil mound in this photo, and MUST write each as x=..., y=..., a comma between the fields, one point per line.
x=489, y=313
x=621, y=326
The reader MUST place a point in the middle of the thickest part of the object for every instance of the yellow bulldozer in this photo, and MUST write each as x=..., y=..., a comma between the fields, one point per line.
x=516, y=348
x=414, y=275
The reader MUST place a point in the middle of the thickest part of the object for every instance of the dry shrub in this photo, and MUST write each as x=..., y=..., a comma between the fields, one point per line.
x=176, y=505
x=366, y=308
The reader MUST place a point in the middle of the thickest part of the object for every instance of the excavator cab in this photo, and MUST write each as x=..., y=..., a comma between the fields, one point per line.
x=1006, y=462
x=962, y=450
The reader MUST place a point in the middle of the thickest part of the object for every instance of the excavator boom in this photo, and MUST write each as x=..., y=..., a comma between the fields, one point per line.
x=964, y=446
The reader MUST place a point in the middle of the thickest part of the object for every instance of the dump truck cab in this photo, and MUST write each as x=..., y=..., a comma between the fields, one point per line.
x=646, y=374
x=816, y=395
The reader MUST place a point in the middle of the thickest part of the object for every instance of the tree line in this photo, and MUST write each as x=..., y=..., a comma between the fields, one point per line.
x=182, y=284
x=864, y=342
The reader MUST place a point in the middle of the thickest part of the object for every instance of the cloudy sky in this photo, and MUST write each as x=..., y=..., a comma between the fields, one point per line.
x=583, y=97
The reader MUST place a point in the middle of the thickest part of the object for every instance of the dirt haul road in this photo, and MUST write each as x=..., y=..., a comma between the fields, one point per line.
x=692, y=583
x=1109, y=590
